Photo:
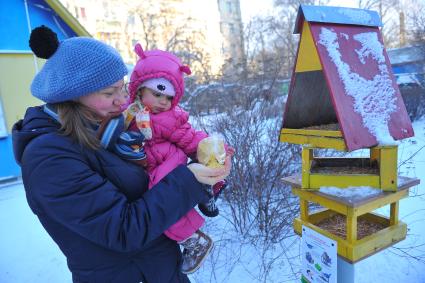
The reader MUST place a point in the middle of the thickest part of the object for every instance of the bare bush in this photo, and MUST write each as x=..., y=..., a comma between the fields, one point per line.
x=262, y=207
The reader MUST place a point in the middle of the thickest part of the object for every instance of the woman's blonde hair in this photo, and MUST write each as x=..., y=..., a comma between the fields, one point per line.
x=79, y=122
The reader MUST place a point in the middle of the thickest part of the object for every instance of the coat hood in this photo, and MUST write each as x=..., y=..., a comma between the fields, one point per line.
x=155, y=64
x=35, y=123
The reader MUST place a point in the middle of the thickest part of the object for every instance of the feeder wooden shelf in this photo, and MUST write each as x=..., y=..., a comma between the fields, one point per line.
x=350, y=247
x=377, y=171
x=314, y=137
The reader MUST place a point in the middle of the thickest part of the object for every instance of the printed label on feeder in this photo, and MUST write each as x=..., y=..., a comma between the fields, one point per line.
x=319, y=257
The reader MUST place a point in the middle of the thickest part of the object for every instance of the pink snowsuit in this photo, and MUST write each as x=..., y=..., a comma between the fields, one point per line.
x=173, y=138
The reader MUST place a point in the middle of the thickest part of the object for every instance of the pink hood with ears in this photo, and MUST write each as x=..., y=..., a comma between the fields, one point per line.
x=158, y=64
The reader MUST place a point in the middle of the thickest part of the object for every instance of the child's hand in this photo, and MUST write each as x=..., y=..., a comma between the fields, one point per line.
x=230, y=151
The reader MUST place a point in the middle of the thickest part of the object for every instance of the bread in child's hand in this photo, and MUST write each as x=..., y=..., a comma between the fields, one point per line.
x=211, y=152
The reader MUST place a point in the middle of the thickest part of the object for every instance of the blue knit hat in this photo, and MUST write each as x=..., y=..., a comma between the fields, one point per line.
x=75, y=67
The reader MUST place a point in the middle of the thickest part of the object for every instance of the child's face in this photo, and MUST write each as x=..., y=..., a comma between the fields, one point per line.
x=156, y=102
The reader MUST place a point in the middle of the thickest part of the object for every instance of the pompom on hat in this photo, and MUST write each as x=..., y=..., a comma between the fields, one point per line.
x=75, y=67
x=160, y=71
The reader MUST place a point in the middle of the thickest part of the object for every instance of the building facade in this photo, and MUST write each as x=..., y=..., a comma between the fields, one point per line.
x=231, y=28
x=207, y=34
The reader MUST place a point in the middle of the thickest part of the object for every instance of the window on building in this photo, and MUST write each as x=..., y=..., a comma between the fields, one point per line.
x=76, y=12
x=232, y=28
x=83, y=12
x=131, y=20
x=229, y=7
x=105, y=9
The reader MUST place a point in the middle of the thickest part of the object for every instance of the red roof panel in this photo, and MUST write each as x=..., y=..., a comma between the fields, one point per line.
x=347, y=72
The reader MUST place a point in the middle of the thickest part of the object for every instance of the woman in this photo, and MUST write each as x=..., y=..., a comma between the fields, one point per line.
x=95, y=205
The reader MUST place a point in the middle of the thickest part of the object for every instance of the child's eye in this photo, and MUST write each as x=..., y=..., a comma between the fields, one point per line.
x=169, y=98
x=108, y=93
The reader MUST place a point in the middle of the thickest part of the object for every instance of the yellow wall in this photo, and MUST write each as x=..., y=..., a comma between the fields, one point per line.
x=16, y=74
x=308, y=59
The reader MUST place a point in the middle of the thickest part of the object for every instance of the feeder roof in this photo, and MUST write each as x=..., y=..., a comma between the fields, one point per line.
x=343, y=75
x=336, y=15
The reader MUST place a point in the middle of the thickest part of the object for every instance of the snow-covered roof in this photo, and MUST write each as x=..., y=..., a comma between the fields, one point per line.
x=355, y=81
x=374, y=99
x=336, y=15
x=406, y=54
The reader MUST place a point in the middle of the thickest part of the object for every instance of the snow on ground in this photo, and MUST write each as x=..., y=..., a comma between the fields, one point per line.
x=27, y=254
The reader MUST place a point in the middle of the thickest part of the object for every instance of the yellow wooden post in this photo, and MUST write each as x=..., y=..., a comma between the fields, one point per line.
x=307, y=158
x=388, y=168
x=394, y=213
x=351, y=223
x=304, y=209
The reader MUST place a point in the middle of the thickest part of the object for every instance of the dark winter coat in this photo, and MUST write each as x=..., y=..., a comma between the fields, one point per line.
x=97, y=208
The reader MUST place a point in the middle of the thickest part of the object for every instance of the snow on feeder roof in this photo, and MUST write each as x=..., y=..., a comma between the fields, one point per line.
x=336, y=15
x=343, y=76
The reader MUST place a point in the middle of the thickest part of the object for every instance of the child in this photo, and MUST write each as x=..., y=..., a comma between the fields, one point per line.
x=156, y=87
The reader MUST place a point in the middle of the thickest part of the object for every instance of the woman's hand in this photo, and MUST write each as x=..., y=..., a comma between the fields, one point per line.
x=210, y=176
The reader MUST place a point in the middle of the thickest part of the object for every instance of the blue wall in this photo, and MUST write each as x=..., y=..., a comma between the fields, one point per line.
x=8, y=166
x=14, y=31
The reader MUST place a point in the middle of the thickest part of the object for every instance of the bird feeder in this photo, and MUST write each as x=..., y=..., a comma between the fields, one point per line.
x=343, y=96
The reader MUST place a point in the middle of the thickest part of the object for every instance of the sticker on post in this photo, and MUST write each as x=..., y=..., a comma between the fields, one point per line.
x=319, y=257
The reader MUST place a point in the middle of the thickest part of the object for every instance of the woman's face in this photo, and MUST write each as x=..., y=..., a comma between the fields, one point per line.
x=156, y=102
x=106, y=101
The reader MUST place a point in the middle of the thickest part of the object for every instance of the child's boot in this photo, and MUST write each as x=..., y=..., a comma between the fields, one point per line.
x=210, y=208
x=196, y=249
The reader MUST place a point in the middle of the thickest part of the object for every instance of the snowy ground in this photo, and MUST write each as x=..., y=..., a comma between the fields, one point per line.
x=27, y=254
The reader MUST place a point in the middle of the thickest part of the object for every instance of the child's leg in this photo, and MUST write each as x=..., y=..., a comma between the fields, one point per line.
x=186, y=226
x=196, y=249
x=196, y=244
